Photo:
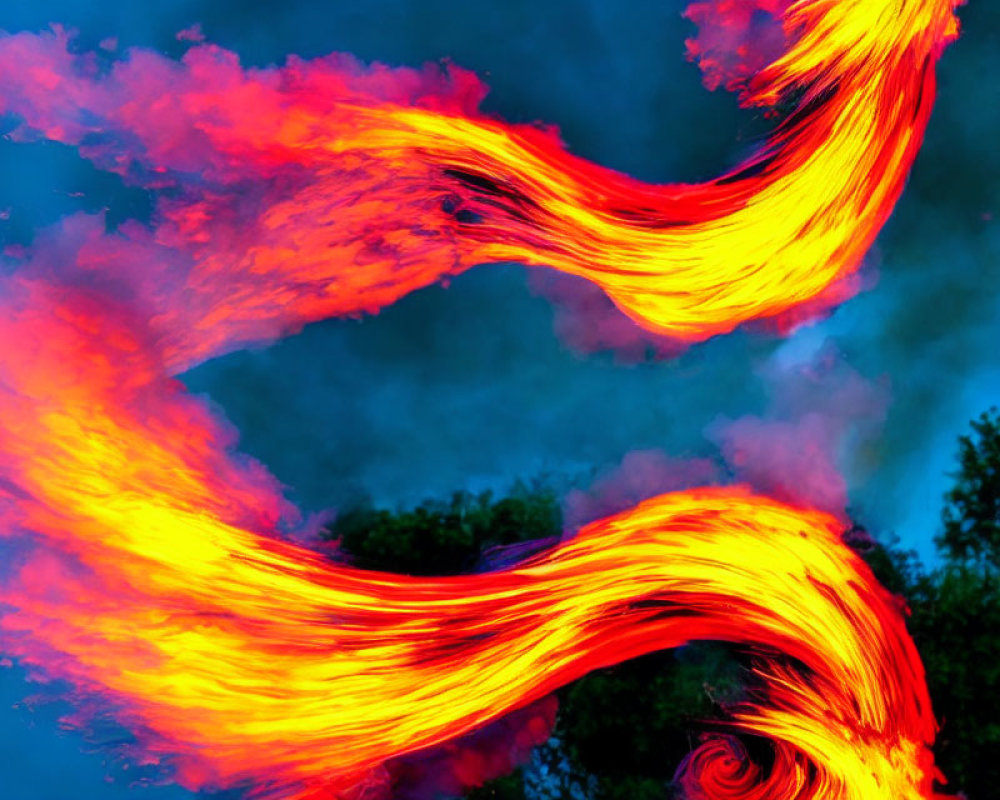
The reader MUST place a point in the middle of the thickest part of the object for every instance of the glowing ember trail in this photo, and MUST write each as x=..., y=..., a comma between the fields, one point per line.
x=154, y=576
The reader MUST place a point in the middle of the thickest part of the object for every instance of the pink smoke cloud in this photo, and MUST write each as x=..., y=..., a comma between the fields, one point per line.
x=205, y=117
x=821, y=411
x=192, y=33
x=736, y=39
x=586, y=320
x=244, y=154
x=640, y=475
x=483, y=755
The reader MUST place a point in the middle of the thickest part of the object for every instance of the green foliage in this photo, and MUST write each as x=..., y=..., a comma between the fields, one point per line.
x=445, y=538
x=955, y=619
x=972, y=507
x=899, y=571
x=956, y=626
x=955, y=614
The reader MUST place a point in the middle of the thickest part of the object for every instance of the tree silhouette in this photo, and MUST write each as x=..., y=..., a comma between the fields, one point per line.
x=972, y=507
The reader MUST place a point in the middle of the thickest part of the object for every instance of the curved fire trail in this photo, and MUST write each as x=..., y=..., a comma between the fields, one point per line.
x=321, y=188
x=157, y=580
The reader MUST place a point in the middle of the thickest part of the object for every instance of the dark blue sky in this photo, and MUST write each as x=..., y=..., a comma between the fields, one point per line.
x=468, y=387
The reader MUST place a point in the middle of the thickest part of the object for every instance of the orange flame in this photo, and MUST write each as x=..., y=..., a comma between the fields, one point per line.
x=160, y=582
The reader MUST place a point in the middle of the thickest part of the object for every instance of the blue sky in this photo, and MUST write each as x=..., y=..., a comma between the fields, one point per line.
x=467, y=386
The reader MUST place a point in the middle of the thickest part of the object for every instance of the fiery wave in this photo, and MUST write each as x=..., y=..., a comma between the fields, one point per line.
x=157, y=579
x=321, y=188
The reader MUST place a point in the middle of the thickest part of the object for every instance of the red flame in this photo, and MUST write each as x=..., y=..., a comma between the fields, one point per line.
x=158, y=580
